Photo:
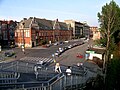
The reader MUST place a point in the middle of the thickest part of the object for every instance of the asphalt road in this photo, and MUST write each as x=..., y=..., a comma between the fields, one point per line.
x=40, y=51
x=66, y=58
x=69, y=57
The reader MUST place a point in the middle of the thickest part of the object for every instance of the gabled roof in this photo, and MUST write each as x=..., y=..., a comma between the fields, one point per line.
x=44, y=24
x=26, y=22
x=63, y=26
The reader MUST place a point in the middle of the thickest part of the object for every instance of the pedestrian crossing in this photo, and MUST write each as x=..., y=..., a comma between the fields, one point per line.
x=37, y=59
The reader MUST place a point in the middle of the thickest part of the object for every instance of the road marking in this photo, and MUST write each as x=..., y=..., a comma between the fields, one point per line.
x=37, y=59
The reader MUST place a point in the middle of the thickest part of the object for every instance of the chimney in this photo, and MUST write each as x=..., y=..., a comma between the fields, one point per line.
x=31, y=18
x=57, y=19
x=24, y=18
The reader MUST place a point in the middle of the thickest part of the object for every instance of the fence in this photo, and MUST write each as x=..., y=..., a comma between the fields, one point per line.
x=16, y=70
x=63, y=82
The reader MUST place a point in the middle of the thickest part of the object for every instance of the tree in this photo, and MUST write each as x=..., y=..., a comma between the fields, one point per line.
x=113, y=75
x=109, y=19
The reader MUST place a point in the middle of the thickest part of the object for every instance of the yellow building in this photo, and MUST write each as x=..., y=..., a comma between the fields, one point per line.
x=95, y=33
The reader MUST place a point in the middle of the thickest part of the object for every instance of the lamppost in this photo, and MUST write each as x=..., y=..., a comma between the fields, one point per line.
x=23, y=41
x=0, y=40
x=54, y=58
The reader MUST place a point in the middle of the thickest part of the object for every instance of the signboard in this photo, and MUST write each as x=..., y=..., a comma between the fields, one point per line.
x=90, y=51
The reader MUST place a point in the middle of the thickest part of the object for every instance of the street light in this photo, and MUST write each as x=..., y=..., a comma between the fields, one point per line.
x=23, y=41
x=54, y=58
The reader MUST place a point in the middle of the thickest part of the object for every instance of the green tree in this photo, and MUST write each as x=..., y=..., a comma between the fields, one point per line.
x=113, y=75
x=109, y=19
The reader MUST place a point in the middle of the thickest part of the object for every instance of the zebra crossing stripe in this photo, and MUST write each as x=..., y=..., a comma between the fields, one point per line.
x=37, y=59
x=45, y=60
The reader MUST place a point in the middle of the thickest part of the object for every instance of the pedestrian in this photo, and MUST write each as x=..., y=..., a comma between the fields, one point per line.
x=36, y=71
x=68, y=71
x=88, y=47
x=15, y=56
x=24, y=52
x=80, y=65
x=57, y=68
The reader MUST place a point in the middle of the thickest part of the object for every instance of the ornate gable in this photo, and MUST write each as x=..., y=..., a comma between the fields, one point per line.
x=56, y=25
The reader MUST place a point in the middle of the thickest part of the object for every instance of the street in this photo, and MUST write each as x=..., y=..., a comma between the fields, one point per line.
x=40, y=51
x=69, y=57
x=36, y=54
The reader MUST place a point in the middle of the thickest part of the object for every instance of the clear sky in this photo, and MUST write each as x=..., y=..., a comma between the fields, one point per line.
x=79, y=10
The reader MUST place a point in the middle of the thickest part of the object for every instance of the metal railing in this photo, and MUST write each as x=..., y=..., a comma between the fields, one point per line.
x=62, y=81
x=18, y=66
x=7, y=78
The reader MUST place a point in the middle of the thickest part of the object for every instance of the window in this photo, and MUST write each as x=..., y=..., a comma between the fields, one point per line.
x=5, y=35
x=16, y=34
x=45, y=33
x=27, y=33
x=4, y=26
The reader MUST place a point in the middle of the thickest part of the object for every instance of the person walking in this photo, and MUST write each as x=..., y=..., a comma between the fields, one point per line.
x=57, y=68
x=80, y=65
x=68, y=71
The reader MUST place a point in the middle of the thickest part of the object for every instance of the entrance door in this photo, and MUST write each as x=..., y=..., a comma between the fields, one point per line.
x=33, y=44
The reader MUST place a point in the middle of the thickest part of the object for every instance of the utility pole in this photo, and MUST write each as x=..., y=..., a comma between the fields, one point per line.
x=23, y=41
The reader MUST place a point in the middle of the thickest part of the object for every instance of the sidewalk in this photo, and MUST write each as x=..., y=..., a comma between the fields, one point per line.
x=37, y=47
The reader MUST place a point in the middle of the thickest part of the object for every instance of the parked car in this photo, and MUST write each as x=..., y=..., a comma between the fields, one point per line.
x=9, y=54
x=57, y=53
x=61, y=50
x=61, y=43
x=70, y=46
x=56, y=43
x=65, y=48
x=75, y=44
x=86, y=40
x=46, y=46
x=66, y=41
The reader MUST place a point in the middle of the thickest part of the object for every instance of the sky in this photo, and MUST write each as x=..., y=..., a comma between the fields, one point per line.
x=78, y=10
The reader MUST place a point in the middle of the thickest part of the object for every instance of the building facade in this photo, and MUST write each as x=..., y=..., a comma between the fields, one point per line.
x=33, y=31
x=7, y=29
x=86, y=30
x=79, y=29
x=96, y=33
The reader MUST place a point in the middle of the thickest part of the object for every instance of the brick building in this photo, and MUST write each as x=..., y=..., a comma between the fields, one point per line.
x=32, y=31
x=7, y=29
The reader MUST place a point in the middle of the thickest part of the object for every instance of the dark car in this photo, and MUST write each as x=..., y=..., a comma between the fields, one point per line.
x=65, y=48
x=61, y=43
x=8, y=54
